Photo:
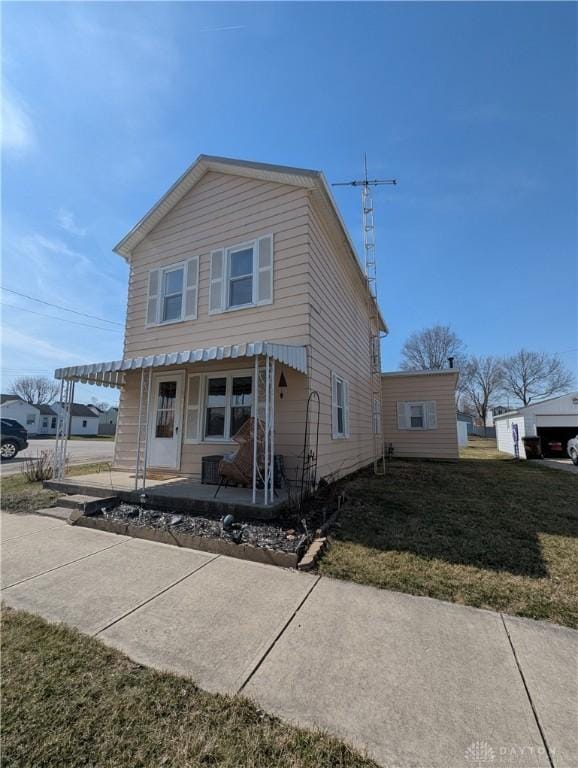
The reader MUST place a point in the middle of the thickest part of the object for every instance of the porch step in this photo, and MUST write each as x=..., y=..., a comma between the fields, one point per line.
x=59, y=513
x=88, y=504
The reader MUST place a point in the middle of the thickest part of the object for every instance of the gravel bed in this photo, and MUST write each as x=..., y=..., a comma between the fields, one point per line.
x=276, y=535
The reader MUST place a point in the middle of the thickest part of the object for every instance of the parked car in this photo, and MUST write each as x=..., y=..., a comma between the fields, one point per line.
x=572, y=449
x=14, y=438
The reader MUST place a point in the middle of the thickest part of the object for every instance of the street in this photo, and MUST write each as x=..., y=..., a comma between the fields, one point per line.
x=79, y=452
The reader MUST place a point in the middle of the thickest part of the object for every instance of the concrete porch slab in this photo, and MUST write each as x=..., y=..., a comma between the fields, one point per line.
x=244, y=604
x=182, y=495
x=415, y=681
x=548, y=657
x=31, y=555
x=16, y=524
x=94, y=592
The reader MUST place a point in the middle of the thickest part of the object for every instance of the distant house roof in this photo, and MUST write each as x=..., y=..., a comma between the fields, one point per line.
x=45, y=410
x=77, y=409
x=9, y=398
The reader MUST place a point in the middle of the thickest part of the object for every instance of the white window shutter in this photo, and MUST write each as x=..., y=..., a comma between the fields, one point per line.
x=217, y=282
x=334, y=420
x=431, y=420
x=153, y=297
x=402, y=420
x=264, y=270
x=192, y=434
x=192, y=288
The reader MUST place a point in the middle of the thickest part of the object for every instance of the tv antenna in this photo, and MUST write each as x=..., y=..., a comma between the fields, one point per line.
x=366, y=185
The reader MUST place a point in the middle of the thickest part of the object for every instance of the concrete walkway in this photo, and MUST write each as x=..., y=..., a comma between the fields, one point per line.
x=413, y=681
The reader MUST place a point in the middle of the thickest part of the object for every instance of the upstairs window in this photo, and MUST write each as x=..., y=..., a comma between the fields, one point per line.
x=172, y=295
x=241, y=276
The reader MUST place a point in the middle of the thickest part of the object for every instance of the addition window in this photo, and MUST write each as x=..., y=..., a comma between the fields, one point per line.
x=417, y=414
x=172, y=294
x=240, y=262
x=228, y=404
x=340, y=406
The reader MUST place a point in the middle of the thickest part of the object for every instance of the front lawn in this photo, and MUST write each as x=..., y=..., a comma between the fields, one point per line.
x=491, y=533
x=69, y=701
x=18, y=495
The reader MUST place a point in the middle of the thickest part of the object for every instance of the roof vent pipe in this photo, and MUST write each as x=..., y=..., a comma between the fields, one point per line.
x=451, y=361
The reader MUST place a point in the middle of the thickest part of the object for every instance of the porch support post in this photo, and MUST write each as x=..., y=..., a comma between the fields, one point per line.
x=272, y=468
x=267, y=427
x=56, y=454
x=138, y=434
x=146, y=450
x=68, y=425
x=255, y=425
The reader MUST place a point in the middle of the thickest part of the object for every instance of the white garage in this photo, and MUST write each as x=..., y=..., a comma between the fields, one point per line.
x=555, y=421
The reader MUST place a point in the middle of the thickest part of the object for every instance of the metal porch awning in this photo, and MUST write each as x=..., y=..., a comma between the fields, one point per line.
x=112, y=374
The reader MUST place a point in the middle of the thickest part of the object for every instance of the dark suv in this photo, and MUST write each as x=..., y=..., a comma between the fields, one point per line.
x=14, y=438
x=572, y=449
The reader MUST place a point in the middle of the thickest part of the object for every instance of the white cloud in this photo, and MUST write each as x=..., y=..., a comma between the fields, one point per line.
x=17, y=127
x=67, y=222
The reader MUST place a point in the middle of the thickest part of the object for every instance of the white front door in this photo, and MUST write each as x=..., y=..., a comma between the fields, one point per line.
x=165, y=420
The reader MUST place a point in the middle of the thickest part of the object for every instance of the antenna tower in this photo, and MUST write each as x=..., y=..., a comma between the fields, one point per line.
x=375, y=333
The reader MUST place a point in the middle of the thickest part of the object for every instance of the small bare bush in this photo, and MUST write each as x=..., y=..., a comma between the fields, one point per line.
x=38, y=468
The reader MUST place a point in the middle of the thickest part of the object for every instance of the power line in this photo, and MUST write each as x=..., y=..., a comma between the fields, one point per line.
x=62, y=319
x=59, y=306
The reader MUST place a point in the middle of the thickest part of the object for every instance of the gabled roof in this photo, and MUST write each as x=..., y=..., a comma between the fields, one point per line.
x=45, y=410
x=282, y=174
x=9, y=399
x=77, y=409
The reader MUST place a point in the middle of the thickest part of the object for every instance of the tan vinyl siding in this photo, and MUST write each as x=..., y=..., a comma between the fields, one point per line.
x=339, y=329
x=289, y=418
x=221, y=211
x=440, y=443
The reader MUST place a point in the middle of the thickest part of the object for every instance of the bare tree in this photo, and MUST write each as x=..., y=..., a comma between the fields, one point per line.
x=535, y=375
x=482, y=378
x=36, y=390
x=430, y=348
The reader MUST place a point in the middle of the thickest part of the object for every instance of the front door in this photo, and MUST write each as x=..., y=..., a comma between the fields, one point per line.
x=165, y=422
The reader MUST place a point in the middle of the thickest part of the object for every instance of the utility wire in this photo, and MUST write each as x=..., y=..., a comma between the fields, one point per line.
x=59, y=306
x=62, y=319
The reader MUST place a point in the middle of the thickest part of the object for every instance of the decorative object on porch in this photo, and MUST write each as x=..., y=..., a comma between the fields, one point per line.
x=237, y=467
x=210, y=469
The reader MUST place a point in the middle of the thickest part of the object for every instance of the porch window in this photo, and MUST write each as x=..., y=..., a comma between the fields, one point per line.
x=228, y=404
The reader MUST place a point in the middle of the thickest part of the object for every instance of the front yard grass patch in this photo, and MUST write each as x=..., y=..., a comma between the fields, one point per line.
x=69, y=701
x=494, y=534
x=18, y=495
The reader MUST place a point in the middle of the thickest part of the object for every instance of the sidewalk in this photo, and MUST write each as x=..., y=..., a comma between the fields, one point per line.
x=413, y=681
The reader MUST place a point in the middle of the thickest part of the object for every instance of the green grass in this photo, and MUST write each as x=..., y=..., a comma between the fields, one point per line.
x=486, y=531
x=69, y=701
x=18, y=495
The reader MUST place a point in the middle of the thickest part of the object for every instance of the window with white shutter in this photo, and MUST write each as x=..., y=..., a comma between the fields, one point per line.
x=192, y=288
x=242, y=276
x=417, y=414
x=217, y=282
x=265, y=270
x=153, y=297
x=339, y=406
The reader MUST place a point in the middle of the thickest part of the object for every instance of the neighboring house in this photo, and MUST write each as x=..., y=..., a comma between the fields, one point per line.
x=245, y=296
x=47, y=420
x=14, y=407
x=95, y=409
x=107, y=421
x=419, y=413
x=83, y=420
x=555, y=421
x=496, y=410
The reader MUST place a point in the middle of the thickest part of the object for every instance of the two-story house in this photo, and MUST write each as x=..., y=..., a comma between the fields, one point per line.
x=245, y=296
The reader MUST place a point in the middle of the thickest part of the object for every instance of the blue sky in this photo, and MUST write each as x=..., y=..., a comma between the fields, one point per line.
x=472, y=106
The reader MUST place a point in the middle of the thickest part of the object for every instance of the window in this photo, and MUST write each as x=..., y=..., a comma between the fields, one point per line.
x=172, y=293
x=228, y=405
x=30, y=419
x=53, y=423
x=241, y=276
x=84, y=423
x=45, y=422
x=340, y=406
x=419, y=414
x=166, y=401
